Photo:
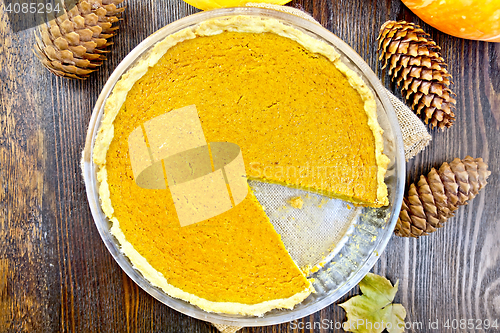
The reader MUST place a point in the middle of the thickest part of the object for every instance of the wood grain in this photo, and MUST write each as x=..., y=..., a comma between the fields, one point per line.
x=55, y=272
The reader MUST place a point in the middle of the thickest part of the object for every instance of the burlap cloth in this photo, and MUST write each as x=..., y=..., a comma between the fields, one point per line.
x=415, y=135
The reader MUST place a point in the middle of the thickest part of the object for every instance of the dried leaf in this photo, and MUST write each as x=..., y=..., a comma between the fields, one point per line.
x=373, y=311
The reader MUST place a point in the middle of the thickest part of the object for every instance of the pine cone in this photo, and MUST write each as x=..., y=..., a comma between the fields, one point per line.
x=73, y=44
x=415, y=62
x=434, y=199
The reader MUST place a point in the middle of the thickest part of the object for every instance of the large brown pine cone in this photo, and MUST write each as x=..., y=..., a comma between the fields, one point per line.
x=74, y=44
x=416, y=64
x=435, y=197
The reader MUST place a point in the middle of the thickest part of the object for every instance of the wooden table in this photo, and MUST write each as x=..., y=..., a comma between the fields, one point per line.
x=56, y=274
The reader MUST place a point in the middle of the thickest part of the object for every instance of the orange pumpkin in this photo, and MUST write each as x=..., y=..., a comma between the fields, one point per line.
x=470, y=19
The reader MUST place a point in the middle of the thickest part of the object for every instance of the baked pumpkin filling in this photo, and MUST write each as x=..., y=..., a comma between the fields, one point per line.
x=299, y=118
x=295, y=116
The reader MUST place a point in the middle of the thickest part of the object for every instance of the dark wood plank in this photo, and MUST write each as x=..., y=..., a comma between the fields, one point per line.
x=56, y=274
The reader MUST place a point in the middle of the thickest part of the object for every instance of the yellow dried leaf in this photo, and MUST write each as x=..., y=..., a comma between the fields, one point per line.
x=373, y=311
x=213, y=4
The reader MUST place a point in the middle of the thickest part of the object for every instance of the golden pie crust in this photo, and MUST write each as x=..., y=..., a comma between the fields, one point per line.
x=290, y=286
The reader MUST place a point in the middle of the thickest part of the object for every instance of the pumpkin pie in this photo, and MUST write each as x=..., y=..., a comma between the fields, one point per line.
x=300, y=117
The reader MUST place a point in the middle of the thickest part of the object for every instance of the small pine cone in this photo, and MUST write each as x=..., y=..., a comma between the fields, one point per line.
x=435, y=197
x=416, y=64
x=73, y=44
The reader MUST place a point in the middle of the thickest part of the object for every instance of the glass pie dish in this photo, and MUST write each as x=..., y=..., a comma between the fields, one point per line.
x=364, y=234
